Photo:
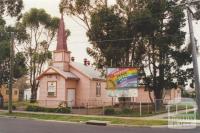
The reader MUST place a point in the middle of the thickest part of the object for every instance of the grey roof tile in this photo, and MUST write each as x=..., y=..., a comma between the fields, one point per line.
x=88, y=70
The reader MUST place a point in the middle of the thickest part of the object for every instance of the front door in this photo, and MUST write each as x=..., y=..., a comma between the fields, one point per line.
x=71, y=97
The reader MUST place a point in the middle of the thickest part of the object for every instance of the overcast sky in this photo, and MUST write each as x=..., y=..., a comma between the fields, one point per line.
x=78, y=41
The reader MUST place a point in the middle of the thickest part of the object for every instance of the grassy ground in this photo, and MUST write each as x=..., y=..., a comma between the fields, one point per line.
x=146, y=111
x=197, y=115
x=72, y=118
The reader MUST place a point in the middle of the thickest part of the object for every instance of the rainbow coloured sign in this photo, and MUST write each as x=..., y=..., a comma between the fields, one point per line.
x=122, y=78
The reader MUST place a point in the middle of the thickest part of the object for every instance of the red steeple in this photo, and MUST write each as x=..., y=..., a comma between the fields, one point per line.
x=61, y=36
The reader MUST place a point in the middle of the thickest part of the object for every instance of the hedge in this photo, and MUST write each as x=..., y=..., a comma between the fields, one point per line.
x=49, y=110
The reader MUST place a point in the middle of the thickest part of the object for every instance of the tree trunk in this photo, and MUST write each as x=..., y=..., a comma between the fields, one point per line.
x=33, y=93
x=160, y=83
x=1, y=101
x=151, y=99
x=158, y=99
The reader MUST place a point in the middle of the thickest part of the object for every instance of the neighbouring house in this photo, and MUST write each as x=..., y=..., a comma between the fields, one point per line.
x=5, y=93
x=168, y=95
x=143, y=96
x=22, y=84
x=67, y=81
x=27, y=94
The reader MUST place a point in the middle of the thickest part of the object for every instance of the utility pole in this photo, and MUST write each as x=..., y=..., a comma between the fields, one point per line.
x=194, y=48
x=130, y=4
x=194, y=58
x=11, y=72
x=106, y=3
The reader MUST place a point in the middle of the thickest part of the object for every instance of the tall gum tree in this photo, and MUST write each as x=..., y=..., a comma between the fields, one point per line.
x=10, y=8
x=36, y=32
x=13, y=9
x=141, y=33
x=167, y=52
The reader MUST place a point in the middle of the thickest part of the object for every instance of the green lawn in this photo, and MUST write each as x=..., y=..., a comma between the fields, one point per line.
x=71, y=118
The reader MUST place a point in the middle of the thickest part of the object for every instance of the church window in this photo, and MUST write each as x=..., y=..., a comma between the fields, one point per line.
x=52, y=89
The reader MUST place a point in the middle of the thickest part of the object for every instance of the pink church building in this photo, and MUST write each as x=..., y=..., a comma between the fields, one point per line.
x=77, y=84
x=67, y=81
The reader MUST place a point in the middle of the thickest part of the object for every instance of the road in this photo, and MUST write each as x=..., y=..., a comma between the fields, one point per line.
x=12, y=125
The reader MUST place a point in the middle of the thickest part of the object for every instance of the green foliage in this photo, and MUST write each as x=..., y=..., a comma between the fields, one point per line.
x=35, y=32
x=76, y=6
x=189, y=95
x=63, y=110
x=126, y=111
x=146, y=34
x=105, y=25
x=166, y=51
x=122, y=112
x=34, y=108
x=19, y=63
x=4, y=61
x=74, y=118
x=20, y=68
x=6, y=107
x=109, y=111
x=11, y=7
x=35, y=17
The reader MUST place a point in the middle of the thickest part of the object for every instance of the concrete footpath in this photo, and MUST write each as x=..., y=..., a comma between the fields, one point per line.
x=97, y=116
x=165, y=115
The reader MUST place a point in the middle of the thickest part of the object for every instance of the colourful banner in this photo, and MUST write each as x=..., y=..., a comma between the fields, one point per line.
x=120, y=78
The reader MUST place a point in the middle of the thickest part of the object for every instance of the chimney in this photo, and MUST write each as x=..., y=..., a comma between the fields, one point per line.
x=85, y=62
x=72, y=59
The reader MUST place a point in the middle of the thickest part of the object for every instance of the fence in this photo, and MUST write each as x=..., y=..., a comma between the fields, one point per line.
x=121, y=108
x=115, y=108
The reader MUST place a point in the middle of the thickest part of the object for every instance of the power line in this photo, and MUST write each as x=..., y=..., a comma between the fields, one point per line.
x=110, y=40
x=121, y=39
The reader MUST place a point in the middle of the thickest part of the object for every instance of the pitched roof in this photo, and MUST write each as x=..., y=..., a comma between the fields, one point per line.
x=66, y=75
x=89, y=71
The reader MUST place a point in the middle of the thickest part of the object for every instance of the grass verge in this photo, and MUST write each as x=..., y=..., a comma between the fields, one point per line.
x=71, y=118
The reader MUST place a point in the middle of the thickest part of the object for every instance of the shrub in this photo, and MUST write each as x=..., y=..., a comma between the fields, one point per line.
x=33, y=108
x=109, y=111
x=126, y=111
x=6, y=107
x=63, y=110
x=49, y=110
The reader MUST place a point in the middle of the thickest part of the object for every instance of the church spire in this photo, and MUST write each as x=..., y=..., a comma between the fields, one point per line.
x=61, y=36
